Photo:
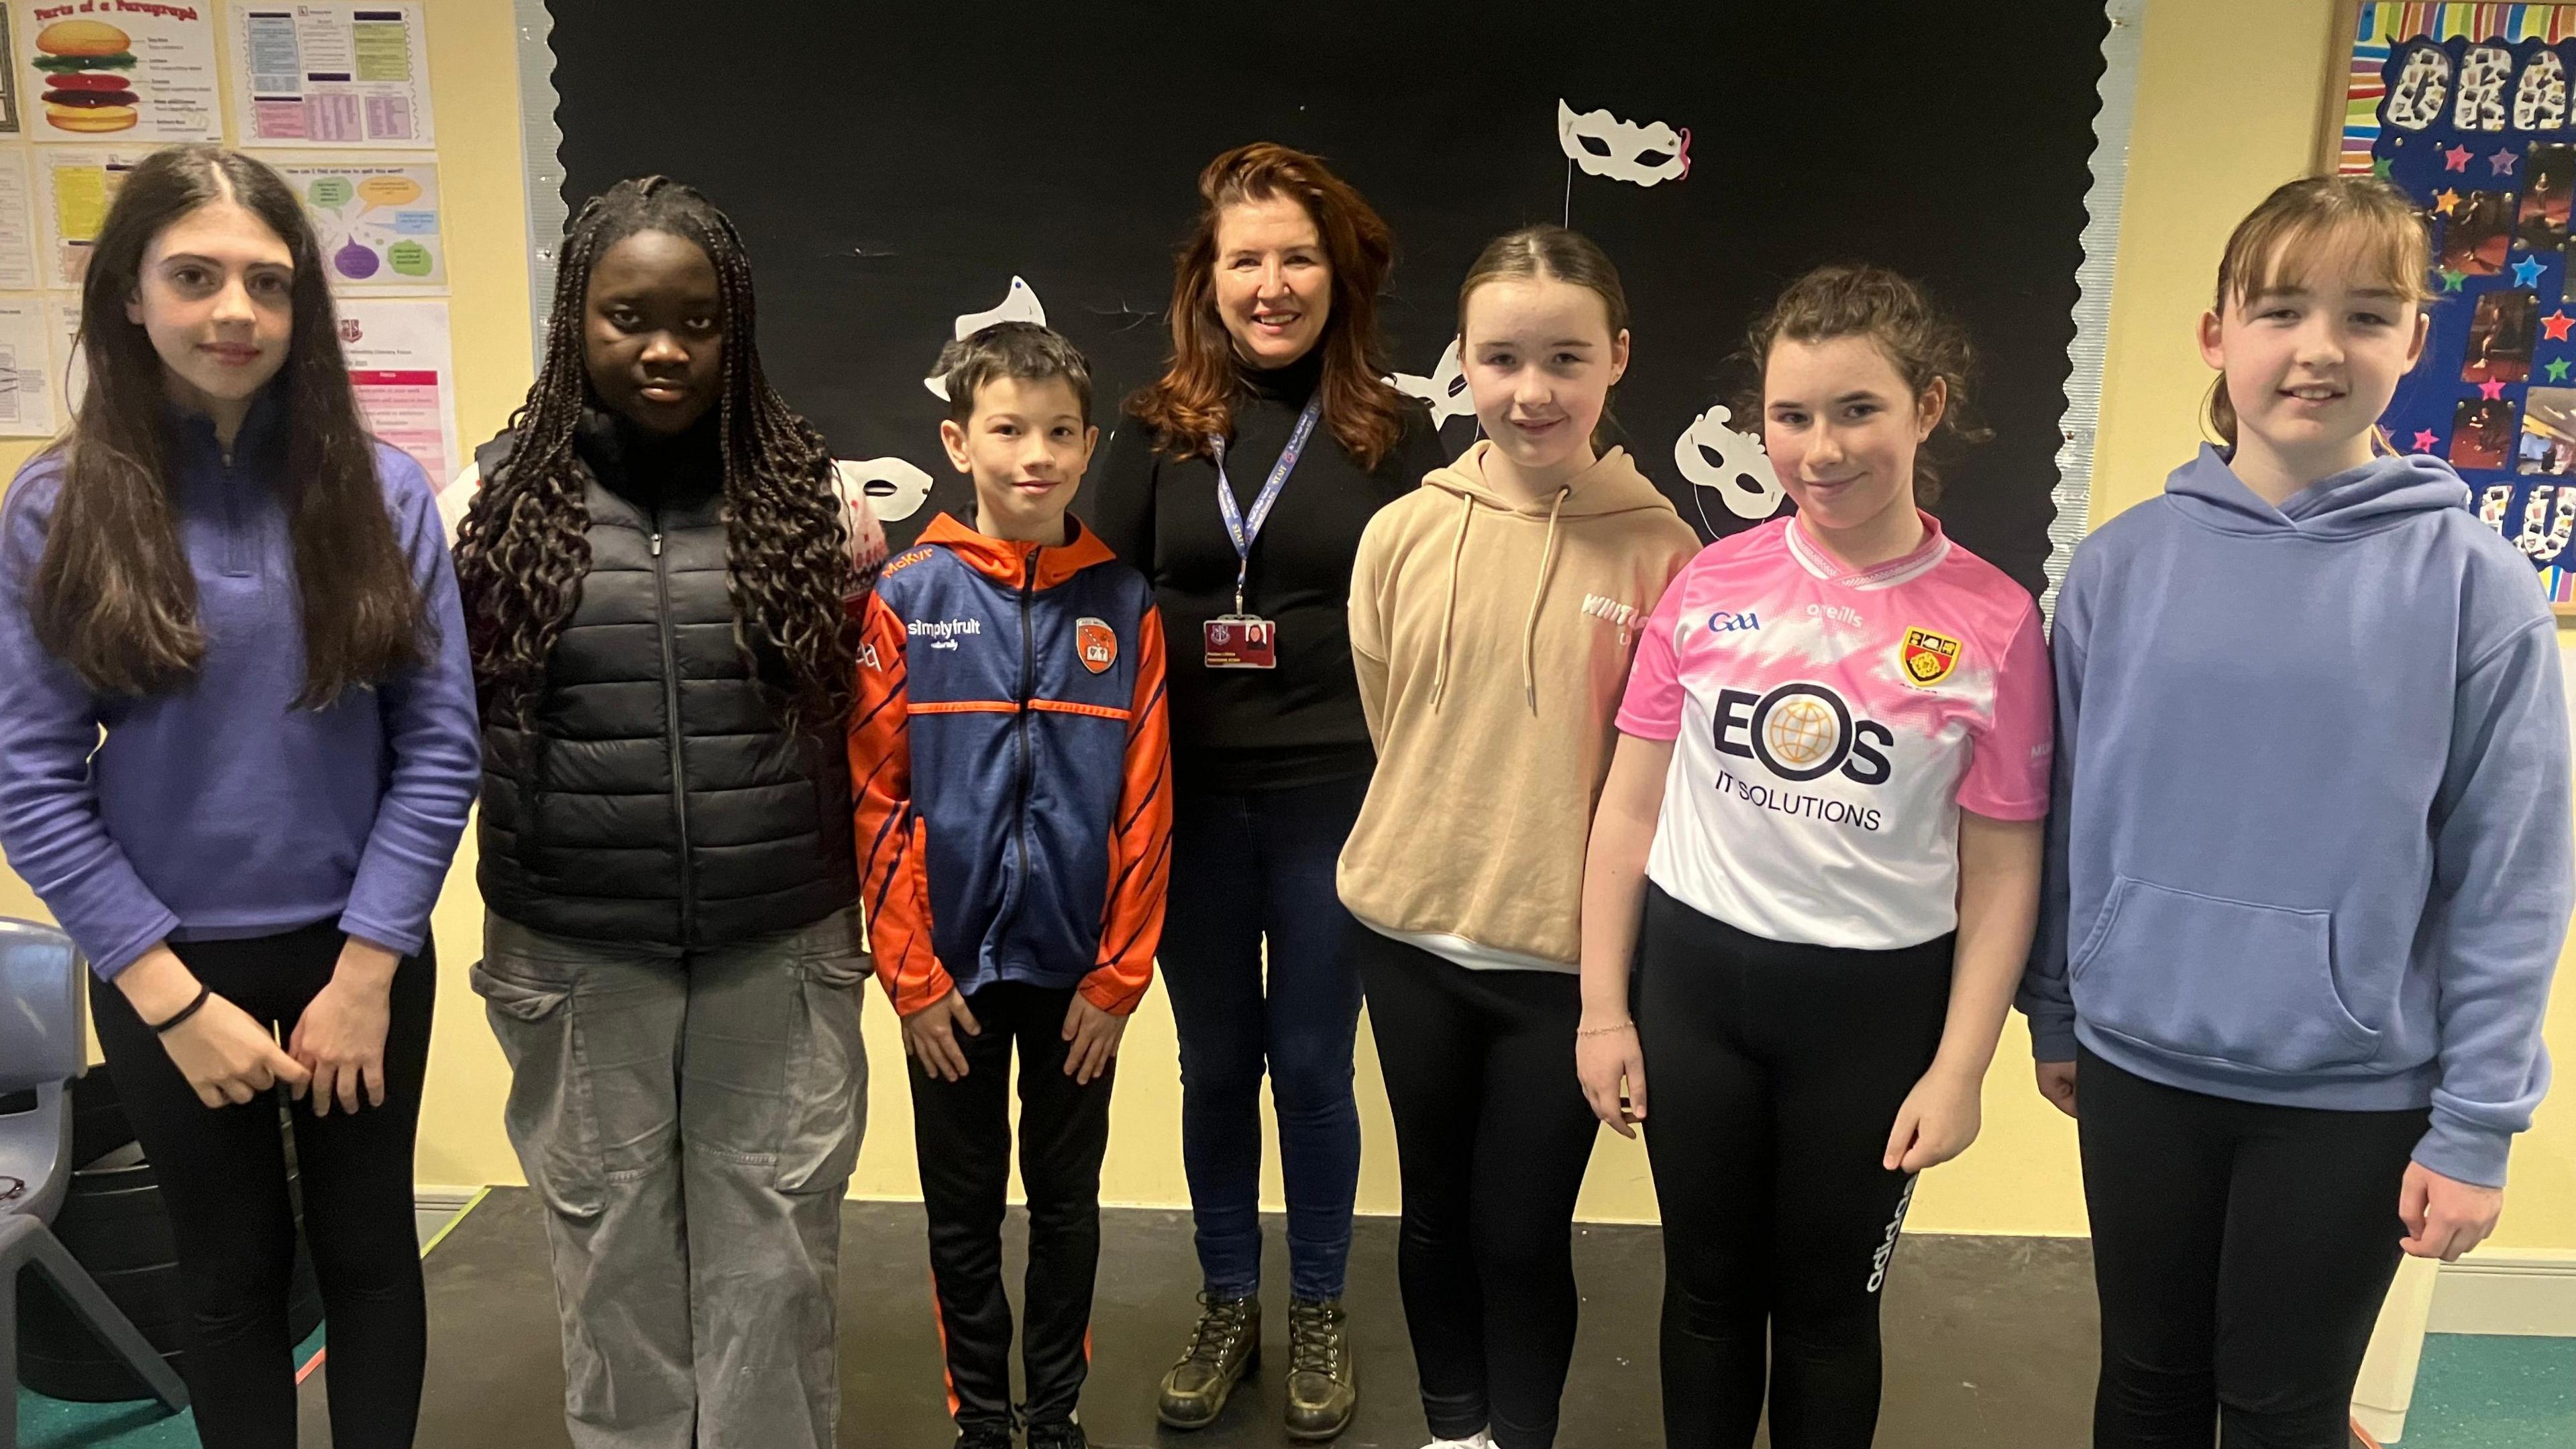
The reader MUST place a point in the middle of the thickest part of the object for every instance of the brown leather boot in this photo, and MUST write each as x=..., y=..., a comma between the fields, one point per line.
x=1225, y=1345
x=1323, y=1373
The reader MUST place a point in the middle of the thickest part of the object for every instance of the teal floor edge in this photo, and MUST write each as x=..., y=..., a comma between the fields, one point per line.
x=45, y=1423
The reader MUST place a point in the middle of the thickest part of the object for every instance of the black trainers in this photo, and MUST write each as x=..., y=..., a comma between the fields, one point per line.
x=1067, y=1435
x=984, y=1436
x=1224, y=1346
x=1323, y=1373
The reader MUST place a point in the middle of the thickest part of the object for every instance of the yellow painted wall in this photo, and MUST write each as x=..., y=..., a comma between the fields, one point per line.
x=2208, y=140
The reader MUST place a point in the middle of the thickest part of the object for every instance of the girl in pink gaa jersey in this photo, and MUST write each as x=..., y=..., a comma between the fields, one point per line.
x=1819, y=845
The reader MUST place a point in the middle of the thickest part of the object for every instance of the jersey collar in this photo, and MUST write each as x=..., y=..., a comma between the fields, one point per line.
x=1006, y=561
x=1815, y=560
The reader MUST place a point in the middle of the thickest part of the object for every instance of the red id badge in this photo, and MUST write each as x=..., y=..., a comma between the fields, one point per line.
x=1240, y=641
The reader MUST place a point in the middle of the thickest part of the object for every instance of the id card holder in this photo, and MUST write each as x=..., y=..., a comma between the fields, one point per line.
x=1242, y=641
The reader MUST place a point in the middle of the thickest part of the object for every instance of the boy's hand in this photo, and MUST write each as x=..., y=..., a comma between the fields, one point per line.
x=930, y=1036
x=1094, y=1034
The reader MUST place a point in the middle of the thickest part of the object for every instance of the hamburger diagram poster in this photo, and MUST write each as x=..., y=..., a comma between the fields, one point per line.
x=132, y=69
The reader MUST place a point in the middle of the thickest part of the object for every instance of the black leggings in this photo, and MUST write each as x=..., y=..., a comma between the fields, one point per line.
x=1492, y=1135
x=1774, y=1072
x=2241, y=1252
x=222, y=1173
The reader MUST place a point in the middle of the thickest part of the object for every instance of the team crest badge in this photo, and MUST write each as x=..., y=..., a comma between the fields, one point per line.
x=1097, y=644
x=1928, y=657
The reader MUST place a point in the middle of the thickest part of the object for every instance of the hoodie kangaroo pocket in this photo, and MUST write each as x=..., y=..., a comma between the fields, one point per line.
x=2231, y=982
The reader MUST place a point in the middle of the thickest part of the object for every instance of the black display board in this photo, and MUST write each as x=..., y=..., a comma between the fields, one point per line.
x=895, y=166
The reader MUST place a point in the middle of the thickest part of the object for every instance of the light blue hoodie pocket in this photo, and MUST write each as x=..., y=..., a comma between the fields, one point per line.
x=2244, y=985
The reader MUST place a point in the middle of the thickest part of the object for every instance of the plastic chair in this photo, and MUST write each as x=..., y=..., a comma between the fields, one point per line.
x=40, y=1050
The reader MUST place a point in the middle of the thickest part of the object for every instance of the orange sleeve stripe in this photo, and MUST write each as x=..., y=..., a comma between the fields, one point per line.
x=1140, y=848
x=892, y=838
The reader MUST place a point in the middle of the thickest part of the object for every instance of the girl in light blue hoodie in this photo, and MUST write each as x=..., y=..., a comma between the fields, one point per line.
x=2309, y=856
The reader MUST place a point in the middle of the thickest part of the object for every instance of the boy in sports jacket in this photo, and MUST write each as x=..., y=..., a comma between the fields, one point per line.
x=1012, y=764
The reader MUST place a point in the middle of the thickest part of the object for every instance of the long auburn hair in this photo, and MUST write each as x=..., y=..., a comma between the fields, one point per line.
x=113, y=596
x=524, y=547
x=1194, y=398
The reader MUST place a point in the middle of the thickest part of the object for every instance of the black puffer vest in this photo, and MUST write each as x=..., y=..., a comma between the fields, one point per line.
x=659, y=802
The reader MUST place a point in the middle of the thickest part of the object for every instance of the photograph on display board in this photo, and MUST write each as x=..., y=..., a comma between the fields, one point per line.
x=2548, y=433
x=2478, y=232
x=2482, y=433
x=2547, y=177
x=2500, y=337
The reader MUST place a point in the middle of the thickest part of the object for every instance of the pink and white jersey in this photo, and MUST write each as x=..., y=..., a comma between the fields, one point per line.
x=1830, y=726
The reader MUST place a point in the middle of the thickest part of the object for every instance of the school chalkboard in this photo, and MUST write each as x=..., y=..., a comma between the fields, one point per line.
x=896, y=167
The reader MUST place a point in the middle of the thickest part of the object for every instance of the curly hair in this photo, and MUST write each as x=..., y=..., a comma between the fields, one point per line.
x=1194, y=398
x=523, y=548
x=1899, y=316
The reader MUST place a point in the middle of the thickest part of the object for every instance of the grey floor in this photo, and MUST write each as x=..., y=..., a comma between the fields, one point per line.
x=1990, y=1341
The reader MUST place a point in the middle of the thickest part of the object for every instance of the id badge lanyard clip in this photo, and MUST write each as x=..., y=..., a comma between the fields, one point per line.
x=1243, y=530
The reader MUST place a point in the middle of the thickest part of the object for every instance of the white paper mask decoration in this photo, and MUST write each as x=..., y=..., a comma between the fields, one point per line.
x=1604, y=145
x=2422, y=87
x=893, y=487
x=2482, y=77
x=1020, y=304
x=1732, y=464
x=2540, y=98
x=1445, y=389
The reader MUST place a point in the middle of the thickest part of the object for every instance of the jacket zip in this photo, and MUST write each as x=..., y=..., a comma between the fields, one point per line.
x=1028, y=689
x=679, y=752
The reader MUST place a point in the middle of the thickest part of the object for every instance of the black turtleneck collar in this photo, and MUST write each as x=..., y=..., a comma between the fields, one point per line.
x=1292, y=384
x=647, y=469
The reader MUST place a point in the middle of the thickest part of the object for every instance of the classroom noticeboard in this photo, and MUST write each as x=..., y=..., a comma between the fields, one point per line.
x=2465, y=109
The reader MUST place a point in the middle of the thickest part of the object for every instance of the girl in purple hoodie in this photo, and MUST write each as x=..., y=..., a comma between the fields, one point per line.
x=219, y=568
x=2308, y=862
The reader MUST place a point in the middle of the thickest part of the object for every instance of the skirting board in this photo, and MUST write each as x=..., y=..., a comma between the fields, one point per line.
x=2529, y=1291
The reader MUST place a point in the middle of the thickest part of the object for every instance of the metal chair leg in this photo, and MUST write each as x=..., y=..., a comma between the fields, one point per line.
x=23, y=1240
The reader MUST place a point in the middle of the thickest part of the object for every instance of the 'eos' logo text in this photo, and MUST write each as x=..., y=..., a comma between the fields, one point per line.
x=1802, y=731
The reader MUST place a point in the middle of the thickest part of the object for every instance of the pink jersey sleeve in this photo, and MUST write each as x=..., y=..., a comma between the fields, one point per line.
x=2007, y=776
x=1652, y=707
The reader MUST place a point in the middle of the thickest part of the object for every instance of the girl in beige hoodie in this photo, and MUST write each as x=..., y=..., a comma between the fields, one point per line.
x=1493, y=616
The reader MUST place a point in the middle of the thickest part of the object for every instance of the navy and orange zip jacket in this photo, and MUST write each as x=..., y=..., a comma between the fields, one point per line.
x=1013, y=767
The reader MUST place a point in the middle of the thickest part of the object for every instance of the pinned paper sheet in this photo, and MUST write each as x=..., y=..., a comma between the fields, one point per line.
x=19, y=271
x=132, y=72
x=1603, y=145
x=1728, y=463
x=1445, y=389
x=378, y=225
x=893, y=488
x=330, y=75
x=77, y=186
x=399, y=363
x=26, y=381
x=1019, y=304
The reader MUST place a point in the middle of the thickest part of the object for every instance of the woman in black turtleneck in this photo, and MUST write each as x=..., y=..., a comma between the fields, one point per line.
x=1273, y=307
x=655, y=582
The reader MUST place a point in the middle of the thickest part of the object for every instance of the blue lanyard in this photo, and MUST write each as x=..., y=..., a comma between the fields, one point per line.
x=1244, y=530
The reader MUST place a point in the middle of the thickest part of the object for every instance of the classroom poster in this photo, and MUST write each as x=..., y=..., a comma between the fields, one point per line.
x=19, y=270
x=26, y=371
x=8, y=75
x=71, y=364
x=74, y=190
x=137, y=70
x=330, y=75
x=377, y=224
x=405, y=378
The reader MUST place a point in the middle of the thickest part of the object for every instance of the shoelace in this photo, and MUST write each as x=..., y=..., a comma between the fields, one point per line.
x=1312, y=1345
x=1218, y=1324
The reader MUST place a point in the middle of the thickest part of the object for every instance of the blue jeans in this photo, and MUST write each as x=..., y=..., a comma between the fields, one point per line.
x=1245, y=866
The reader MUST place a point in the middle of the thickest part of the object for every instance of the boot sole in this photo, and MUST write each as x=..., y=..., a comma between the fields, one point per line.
x=1162, y=1415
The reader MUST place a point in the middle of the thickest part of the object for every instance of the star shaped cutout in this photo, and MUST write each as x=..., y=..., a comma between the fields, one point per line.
x=2456, y=159
x=2491, y=389
x=2556, y=324
x=2452, y=277
x=2379, y=168
x=2425, y=440
x=2526, y=273
x=2503, y=161
x=2446, y=200
x=2557, y=370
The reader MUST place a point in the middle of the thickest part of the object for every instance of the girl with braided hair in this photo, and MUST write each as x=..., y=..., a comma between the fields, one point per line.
x=657, y=574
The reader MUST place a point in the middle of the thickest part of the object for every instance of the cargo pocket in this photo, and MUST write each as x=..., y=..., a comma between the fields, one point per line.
x=2232, y=982
x=550, y=1116
x=827, y=1063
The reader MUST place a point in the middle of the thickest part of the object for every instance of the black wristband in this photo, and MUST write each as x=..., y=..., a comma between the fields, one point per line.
x=191, y=1009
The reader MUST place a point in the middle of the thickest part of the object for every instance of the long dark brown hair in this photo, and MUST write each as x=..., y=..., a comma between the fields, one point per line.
x=1194, y=398
x=114, y=597
x=524, y=546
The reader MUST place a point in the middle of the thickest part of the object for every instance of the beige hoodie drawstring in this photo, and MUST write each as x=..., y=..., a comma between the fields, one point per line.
x=1529, y=628
x=1449, y=611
